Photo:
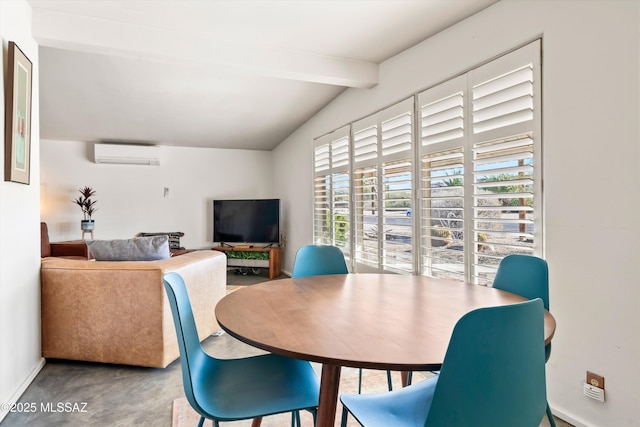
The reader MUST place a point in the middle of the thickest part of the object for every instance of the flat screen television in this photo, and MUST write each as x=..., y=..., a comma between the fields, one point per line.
x=246, y=221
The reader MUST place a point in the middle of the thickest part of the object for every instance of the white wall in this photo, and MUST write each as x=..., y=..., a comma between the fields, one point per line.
x=591, y=98
x=20, y=352
x=131, y=197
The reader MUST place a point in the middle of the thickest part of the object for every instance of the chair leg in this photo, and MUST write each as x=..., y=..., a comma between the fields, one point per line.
x=201, y=422
x=552, y=422
x=315, y=415
x=345, y=413
x=389, y=381
x=256, y=422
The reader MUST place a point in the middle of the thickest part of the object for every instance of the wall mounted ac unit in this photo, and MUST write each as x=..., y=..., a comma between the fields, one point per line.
x=127, y=154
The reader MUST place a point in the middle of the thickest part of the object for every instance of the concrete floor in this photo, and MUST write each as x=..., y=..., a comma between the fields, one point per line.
x=68, y=393
x=109, y=395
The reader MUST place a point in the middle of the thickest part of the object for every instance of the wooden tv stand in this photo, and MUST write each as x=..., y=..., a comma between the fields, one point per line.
x=274, y=256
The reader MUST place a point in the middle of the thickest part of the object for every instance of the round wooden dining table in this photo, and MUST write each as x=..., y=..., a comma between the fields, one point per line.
x=375, y=321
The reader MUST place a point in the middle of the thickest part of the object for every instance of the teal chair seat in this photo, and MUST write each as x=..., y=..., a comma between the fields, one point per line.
x=237, y=389
x=406, y=407
x=492, y=375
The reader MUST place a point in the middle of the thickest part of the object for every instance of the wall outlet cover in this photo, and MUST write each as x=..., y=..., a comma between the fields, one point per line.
x=595, y=380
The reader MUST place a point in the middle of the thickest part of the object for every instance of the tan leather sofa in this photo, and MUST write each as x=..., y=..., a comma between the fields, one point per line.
x=117, y=312
x=76, y=249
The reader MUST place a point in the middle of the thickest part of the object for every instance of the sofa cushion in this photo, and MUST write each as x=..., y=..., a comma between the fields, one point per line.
x=136, y=249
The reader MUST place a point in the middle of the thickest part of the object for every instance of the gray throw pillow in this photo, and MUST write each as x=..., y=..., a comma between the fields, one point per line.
x=136, y=249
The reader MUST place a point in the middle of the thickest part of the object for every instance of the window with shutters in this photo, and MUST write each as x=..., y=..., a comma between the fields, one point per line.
x=322, y=187
x=448, y=194
x=442, y=180
x=480, y=180
x=383, y=190
x=506, y=147
x=332, y=190
x=366, y=195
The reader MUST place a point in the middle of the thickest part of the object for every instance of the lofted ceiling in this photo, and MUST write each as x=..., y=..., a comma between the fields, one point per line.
x=219, y=73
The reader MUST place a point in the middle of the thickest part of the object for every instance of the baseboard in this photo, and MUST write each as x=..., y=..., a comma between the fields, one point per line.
x=6, y=406
x=564, y=416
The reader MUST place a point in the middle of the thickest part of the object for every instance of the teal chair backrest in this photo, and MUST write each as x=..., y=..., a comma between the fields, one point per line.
x=192, y=356
x=316, y=260
x=493, y=370
x=527, y=276
x=524, y=275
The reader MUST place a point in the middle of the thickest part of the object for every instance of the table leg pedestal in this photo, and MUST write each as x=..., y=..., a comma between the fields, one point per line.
x=329, y=383
x=404, y=375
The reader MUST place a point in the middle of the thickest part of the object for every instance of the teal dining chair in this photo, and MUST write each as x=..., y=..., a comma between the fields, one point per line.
x=318, y=260
x=493, y=374
x=237, y=389
x=527, y=276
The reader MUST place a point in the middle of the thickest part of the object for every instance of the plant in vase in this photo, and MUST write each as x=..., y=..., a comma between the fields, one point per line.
x=87, y=205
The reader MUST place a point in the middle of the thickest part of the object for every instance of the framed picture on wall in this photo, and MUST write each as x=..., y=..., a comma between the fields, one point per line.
x=18, y=117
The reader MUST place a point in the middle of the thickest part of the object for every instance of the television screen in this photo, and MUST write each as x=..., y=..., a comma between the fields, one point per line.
x=246, y=221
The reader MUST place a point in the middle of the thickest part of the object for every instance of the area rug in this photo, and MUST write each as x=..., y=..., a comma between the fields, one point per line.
x=373, y=382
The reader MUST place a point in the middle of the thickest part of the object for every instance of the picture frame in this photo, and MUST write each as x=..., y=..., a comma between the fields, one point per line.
x=18, y=116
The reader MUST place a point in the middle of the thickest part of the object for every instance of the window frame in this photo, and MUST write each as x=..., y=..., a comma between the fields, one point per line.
x=468, y=138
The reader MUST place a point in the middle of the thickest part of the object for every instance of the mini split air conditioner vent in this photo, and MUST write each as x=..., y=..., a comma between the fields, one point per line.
x=127, y=154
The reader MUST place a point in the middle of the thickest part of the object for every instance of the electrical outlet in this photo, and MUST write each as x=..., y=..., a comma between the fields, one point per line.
x=595, y=380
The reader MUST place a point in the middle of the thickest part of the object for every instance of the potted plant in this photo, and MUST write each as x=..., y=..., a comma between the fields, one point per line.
x=87, y=205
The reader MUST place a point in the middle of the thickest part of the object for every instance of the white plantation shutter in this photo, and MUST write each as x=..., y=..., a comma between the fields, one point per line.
x=321, y=192
x=442, y=119
x=383, y=168
x=505, y=143
x=365, y=144
x=504, y=195
x=480, y=168
x=396, y=133
x=365, y=188
x=340, y=201
x=441, y=186
x=452, y=200
x=504, y=101
x=503, y=95
x=332, y=189
x=340, y=151
x=322, y=161
x=366, y=194
x=397, y=231
x=442, y=214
